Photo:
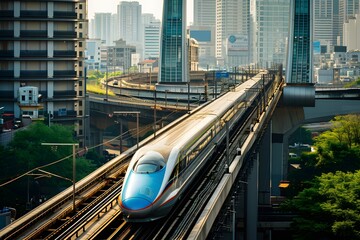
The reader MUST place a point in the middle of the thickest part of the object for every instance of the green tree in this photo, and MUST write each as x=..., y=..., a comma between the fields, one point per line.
x=336, y=150
x=329, y=209
x=25, y=153
x=339, y=148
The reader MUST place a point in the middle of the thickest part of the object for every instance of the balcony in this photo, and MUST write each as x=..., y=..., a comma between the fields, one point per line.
x=33, y=33
x=6, y=33
x=34, y=14
x=62, y=14
x=65, y=74
x=66, y=54
x=64, y=34
x=33, y=53
x=65, y=94
x=33, y=74
x=6, y=73
x=6, y=53
x=6, y=13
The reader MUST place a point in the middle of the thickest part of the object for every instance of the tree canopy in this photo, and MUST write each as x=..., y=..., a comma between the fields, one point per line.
x=330, y=208
x=325, y=191
x=26, y=153
x=339, y=148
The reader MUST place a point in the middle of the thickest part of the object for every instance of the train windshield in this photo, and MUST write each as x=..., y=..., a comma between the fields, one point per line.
x=146, y=168
x=149, y=163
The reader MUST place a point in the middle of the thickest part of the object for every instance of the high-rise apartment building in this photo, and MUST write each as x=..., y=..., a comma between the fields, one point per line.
x=270, y=29
x=129, y=14
x=102, y=28
x=232, y=32
x=174, y=56
x=42, y=46
x=203, y=30
x=151, y=36
x=205, y=13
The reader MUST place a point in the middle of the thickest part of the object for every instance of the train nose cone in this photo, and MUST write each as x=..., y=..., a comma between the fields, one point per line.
x=135, y=203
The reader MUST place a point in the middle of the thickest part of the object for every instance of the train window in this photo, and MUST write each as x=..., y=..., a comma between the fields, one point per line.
x=147, y=168
x=149, y=163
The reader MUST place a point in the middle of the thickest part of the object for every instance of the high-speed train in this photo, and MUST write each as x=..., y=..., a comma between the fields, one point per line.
x=160, y=171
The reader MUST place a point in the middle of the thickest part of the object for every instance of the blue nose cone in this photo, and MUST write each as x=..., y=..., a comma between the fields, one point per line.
x=135, y=203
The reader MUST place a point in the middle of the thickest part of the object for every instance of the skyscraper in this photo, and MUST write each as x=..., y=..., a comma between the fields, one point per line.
x=270, y=29
x=203, y=30
x=151, y=36
x=299, y=67
x=348, y=8
x=329, y=17
x=205, y=13
x=173, y=60
x=102, y=28
x=232, y=32
x=327, y=23
x=129, y=14
x=42, y=49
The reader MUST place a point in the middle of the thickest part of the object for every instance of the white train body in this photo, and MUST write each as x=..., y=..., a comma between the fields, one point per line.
x=159, y=172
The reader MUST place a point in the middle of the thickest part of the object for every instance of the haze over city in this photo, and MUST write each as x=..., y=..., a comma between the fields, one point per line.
x=148, y=6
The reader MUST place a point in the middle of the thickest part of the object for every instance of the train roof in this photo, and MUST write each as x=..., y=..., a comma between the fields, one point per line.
x=199, y=121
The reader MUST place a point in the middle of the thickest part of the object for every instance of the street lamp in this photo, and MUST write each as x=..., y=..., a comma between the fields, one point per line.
x=137, y=123
x=74, y=165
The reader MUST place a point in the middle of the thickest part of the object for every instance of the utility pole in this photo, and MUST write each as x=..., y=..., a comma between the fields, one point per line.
x=137, y=125
x=74, y=165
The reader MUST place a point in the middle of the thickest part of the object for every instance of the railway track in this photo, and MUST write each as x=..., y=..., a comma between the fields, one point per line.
x=98, y=215
x=183, y=217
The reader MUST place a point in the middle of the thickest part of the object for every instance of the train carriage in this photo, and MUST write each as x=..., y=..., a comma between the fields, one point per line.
x=161, y=171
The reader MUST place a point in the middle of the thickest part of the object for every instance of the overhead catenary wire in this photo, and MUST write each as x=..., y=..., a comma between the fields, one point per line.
x=66, y=157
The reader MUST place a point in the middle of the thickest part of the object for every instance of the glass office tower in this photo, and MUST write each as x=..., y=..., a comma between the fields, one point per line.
x=299, y=89
x=173, y=58
x=300, y=43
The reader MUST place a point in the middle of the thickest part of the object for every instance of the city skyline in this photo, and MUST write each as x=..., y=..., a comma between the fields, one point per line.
x=155, y=7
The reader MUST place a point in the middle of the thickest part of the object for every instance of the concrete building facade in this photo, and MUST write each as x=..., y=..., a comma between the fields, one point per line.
x=351, y=34
x=118, y=57
x=151, y=36
x=232, y=30
x=130, y=23
x=42, y=45
x=102, y=28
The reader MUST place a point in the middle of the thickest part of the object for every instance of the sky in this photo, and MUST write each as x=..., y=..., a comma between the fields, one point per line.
x=148, y=6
